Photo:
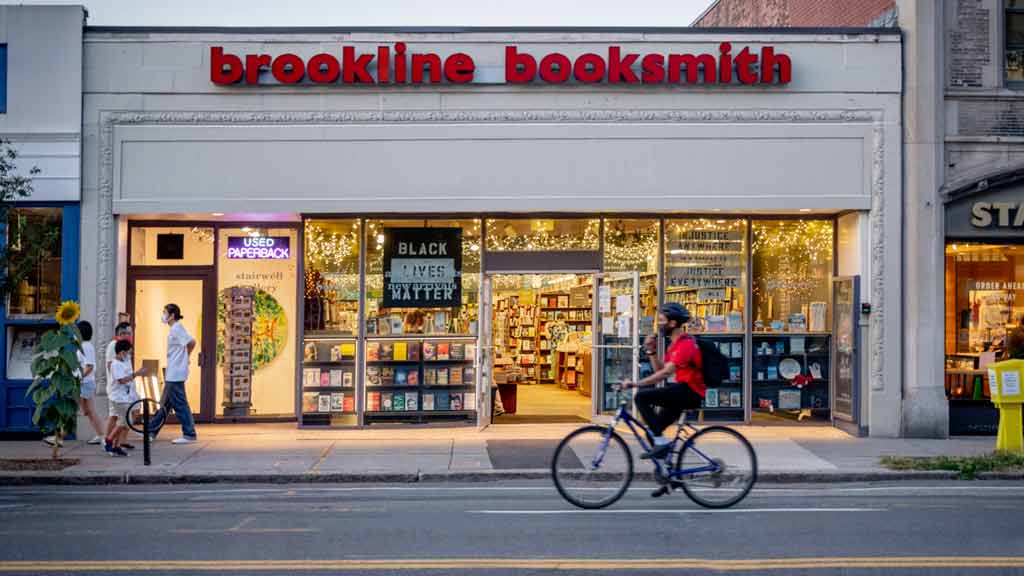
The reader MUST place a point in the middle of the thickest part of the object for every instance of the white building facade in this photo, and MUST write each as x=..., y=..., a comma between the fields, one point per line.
x=197, y=141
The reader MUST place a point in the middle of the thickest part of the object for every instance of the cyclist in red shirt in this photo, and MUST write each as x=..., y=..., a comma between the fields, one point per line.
x=682, y=368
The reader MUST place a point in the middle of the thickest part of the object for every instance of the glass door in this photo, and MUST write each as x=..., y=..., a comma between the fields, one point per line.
x=192, y=294
x=484, y=355
x=616, y=336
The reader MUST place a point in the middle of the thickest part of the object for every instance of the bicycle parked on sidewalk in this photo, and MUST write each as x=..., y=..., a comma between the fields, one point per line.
x=715, y=466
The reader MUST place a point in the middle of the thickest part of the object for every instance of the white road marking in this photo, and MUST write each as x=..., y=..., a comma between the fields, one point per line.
x=672, y=511
x=967, y=488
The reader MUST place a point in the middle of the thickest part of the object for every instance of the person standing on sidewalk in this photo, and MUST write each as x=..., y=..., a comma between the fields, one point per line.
x=179, y=349
x=123, y=331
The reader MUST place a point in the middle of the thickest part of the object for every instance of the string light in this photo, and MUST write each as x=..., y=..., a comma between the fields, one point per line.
x=508, y=236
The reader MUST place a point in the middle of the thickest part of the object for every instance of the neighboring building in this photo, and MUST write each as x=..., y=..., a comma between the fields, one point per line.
x=798, y=14
x=41, y=115
x=296, y=208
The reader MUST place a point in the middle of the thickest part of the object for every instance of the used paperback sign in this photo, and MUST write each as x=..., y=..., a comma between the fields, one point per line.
x=422, y=267
x=258, y=248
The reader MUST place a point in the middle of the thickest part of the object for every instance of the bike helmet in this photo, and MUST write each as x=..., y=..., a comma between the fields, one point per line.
x=676, y=311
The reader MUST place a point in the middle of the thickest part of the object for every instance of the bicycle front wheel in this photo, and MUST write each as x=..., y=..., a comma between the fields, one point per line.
x=592, y=467
x=719, y=467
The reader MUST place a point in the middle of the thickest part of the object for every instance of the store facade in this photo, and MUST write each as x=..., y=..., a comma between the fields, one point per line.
x=41, y=119
x=346, y=214
x=984, y=291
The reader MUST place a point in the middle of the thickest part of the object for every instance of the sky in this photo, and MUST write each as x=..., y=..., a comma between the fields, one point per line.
x=387, y=12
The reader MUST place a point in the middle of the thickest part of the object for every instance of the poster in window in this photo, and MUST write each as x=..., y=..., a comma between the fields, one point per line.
x=422, y=267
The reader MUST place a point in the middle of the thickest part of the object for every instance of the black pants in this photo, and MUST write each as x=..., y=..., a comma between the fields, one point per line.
x=672, y=399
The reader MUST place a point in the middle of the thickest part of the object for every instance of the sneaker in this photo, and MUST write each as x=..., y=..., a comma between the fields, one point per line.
x=127, y=446
x=96, y=440
x=117, y=452
x=184, y=440
x=108, y=447
x=52, y=440
x=657, y=452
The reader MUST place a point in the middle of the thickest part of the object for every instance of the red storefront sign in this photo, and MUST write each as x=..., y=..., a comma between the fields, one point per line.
x=398, y=65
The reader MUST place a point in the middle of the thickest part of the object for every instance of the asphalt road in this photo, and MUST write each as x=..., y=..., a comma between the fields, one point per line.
x=525, y=528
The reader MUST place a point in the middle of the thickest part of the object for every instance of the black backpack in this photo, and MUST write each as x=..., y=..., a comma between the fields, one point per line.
x=714, y=365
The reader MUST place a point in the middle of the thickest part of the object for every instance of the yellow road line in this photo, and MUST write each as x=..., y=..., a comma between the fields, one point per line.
x=508, y=563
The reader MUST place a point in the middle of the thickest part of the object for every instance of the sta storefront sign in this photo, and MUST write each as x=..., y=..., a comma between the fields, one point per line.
x=258, y=248
x=398, y=64
x=422, y=267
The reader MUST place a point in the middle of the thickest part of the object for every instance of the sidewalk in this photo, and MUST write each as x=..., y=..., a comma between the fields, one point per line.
x=283, y=453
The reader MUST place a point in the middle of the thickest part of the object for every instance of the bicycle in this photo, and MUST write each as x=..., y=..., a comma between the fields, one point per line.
x=156, y=412
x=705, y=465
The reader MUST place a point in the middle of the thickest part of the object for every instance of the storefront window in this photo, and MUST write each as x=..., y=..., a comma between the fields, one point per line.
x=1014, y=41
x=34, y=238
x=543, y=234
x=792, y=262
x=632, y=246
x=984, y=307
x=256, y=321
x=792, y=267
x=172, y=246
x=706, y=271
x=332, y=276
x=421, y=319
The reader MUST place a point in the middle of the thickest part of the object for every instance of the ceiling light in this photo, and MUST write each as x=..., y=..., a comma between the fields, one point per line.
x=216, y=214
x=805, y=209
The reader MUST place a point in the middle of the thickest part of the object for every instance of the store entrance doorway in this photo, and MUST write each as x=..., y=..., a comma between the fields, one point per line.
x=557, y=345
x=541, y=347
x=148, y=293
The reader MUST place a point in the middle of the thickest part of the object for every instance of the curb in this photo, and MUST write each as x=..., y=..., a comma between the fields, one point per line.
x=769, y=477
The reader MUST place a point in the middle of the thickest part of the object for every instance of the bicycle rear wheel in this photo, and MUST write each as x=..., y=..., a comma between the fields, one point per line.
x=592, y=467
x=723, y=464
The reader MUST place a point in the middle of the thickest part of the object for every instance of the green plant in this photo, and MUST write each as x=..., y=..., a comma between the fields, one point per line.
x=56, y=384
x=968, y=467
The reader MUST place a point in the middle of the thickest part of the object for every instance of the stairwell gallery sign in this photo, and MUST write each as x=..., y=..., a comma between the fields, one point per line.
x=398, y=65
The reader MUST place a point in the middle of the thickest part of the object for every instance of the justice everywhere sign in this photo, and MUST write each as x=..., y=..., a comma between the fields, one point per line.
x=422, y=267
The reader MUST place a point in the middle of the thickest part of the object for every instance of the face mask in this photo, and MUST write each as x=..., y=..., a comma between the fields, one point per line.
x=164, y=318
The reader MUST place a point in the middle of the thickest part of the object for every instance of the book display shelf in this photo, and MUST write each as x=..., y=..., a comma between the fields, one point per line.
x=420, y=379
x=791, y=375
x=329, y=381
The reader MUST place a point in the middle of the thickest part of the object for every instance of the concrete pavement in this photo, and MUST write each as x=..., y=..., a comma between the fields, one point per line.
x=284, y=453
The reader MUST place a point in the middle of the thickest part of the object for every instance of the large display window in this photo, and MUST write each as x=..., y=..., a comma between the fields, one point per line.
x=421, y=307
x=257, y=270
x=984, y=307
x=706, y=271
x=792, y=263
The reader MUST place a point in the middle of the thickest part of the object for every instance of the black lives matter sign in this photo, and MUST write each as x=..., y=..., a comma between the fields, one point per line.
x=422, y=267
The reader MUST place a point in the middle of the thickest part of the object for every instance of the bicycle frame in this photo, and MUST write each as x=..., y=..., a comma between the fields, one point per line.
x=683, y=433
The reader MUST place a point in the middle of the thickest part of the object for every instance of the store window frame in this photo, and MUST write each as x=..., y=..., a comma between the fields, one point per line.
x=209, y=393
x=16, y=417
x=3, y=78
x=488, y=268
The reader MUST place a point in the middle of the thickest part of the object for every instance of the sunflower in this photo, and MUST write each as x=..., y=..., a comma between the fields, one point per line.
x=67, y=313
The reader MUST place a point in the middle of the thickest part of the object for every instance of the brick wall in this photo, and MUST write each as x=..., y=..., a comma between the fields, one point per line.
x=795, y=13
